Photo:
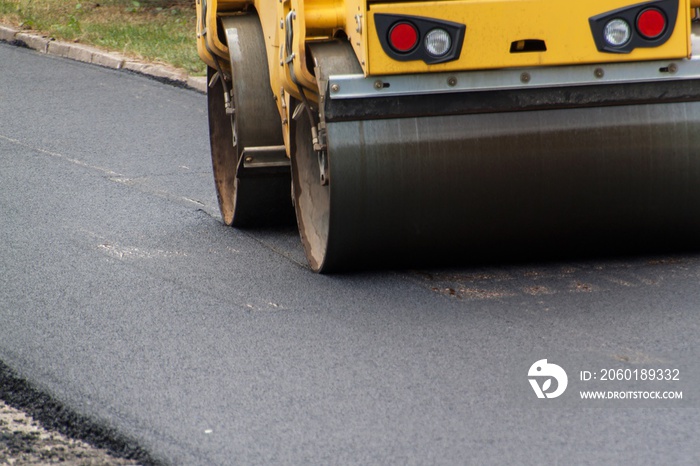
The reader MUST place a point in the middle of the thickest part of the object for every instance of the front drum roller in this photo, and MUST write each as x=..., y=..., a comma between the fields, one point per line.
x=555, y=182
x=250, y=193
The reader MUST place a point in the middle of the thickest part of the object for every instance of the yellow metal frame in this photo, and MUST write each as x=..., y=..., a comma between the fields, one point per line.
x=312, y=20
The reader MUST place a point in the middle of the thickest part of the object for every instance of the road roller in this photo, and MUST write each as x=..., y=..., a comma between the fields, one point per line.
x=402, y=131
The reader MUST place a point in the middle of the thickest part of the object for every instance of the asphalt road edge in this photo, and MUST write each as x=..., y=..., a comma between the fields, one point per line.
x=52, y=414
x=99, y=57
x=17, y=392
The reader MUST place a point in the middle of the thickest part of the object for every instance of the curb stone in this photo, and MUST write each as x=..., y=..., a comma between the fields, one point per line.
x=7, y=34
x=35, y=42
x=99, y=57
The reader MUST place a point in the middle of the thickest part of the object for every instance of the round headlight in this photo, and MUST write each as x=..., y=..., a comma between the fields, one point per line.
x=617, y=32
x=437, y=42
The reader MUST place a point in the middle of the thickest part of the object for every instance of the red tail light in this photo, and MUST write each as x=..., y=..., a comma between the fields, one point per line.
x=407, y=38
x=651, y=23
x=648, y=24
x=403, y=37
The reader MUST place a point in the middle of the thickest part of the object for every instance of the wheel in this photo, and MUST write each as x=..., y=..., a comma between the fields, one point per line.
x=258, y=196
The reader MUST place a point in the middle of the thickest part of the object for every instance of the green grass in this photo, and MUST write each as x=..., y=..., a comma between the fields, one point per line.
x=153, y=30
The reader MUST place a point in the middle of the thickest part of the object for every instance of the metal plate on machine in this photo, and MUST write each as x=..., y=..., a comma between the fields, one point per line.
x=265, y=157
x=356, y=86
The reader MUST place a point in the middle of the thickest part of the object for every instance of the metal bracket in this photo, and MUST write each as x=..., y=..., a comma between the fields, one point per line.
x=319, y=143
x=319, y=136
x=323, y=167
x=230, y=109
x=265, y=156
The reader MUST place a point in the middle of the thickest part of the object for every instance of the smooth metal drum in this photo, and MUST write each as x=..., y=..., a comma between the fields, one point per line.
x=249, y=161
x=430, y=189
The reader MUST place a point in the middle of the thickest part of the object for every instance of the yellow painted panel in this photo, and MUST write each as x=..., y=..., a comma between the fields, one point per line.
x=492, y=25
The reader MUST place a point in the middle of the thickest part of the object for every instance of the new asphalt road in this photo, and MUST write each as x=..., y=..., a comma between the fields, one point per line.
x=124, y=298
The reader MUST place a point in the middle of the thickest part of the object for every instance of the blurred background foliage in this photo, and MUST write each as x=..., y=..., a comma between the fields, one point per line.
x=151, y=30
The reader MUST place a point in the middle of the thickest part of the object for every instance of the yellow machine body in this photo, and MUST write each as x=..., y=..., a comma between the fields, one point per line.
x=533, y=128
x=493, y=28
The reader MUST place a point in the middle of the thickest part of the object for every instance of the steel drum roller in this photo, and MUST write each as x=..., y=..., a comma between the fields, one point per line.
x=436, y=187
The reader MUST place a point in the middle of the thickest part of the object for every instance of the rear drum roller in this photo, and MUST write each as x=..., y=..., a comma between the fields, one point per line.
x=541, y=183
x=327, y=247
x=433, y=190
x=248, y=197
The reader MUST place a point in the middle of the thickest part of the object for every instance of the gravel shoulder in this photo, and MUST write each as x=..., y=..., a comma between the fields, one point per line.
x=36, y=429
x=23, y=441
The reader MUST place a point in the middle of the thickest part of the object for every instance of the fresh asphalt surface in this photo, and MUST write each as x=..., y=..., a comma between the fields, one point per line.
x=123, y=296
